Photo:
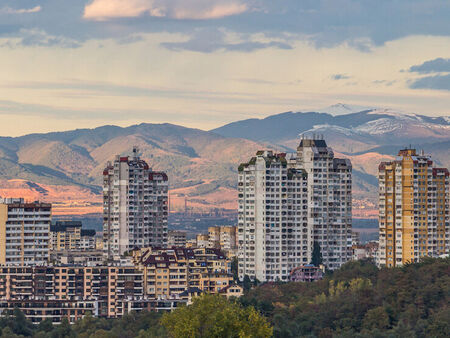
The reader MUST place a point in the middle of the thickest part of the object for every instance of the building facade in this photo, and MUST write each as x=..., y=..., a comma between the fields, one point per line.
x=70, y=291
x=170, y=271
x=288, y=201
x=176, y=238
x=223, y=238
x=273, y=231
x=24, y=232
x=161, y=279
x=306, y=273
x=202, y=240
x=329, y=200
x=413, y=209
x=135, y=206
x=69, y=235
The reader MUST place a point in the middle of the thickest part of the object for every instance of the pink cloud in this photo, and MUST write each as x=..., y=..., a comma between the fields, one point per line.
x=9, y=10
x=101, y=10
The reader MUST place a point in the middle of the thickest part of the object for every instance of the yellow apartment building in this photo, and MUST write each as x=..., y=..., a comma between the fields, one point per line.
x=413, y=209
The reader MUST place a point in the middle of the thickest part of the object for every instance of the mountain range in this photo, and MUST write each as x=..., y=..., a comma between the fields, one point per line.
x=66, y=167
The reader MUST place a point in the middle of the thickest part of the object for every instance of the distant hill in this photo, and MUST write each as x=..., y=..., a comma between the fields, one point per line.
x=366, y=137
x=361, y=131
x=66, y=167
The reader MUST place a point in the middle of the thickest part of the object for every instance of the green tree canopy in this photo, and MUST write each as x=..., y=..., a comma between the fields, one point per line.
x=247, y=283
x=316, y=255
x=215, y=316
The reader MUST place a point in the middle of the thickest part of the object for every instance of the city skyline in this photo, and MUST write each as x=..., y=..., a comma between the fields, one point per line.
x=224, y=168
x=207, y=63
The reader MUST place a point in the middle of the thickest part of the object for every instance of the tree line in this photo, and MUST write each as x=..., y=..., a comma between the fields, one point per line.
x=360, y=300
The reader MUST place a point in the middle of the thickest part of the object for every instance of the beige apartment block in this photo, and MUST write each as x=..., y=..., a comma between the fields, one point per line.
x=24, y=232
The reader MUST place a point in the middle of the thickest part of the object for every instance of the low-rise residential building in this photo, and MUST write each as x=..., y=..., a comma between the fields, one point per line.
x=359, y=252
x=65, y=235
x=214, y=237
x=69, y=235
x=37, y=310
x=171, y=271
x=232, y=290
x=306, y=273
x=59, y=292
x=223, y=238
x=191, y=243
x=77, y=257
x=364, y=251
x=356, y=238
x=202, y=240
x=176, y=238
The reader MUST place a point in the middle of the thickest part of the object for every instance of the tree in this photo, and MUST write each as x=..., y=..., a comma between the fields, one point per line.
x=247, y=283
x=234, y=268
x=8, y=333
x=316, y=255
x=63, y=330
x=376, y=318
x=46, y=325
x=215, y=316
x=18, y=323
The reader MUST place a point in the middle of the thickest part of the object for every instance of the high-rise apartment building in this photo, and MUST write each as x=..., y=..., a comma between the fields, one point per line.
x=413, y=209
x=135, y=206
x=329, y=200
x=288, y=201
x=24, y=232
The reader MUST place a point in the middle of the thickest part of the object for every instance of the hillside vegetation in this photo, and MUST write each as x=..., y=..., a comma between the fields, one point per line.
x=359, y=300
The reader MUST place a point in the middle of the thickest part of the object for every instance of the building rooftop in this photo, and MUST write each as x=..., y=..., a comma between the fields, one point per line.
x=307, y=142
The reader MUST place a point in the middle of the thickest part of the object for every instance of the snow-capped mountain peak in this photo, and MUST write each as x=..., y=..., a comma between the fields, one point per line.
x=344, y=109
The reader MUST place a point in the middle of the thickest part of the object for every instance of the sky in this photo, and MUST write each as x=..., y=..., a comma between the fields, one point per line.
x=67, y=64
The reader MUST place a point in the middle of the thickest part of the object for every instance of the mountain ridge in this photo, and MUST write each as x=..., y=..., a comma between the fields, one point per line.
x=65, y=167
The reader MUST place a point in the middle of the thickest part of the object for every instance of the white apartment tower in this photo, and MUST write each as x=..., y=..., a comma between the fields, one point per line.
x=288, y=201
x=135, y=206
x=329, y=200
x=24, y=232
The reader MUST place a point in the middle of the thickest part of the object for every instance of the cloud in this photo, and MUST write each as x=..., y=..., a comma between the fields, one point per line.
x=437, y=82
x=432, y=66
x=211, y=40
x=384, y=82
x=324, y=23
x=102, y=10
x=9, y=10
x=267, y=82
x=340, y=77
x=39, y=38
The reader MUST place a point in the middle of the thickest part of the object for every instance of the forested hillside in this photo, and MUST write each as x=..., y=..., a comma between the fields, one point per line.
x=361, y=301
